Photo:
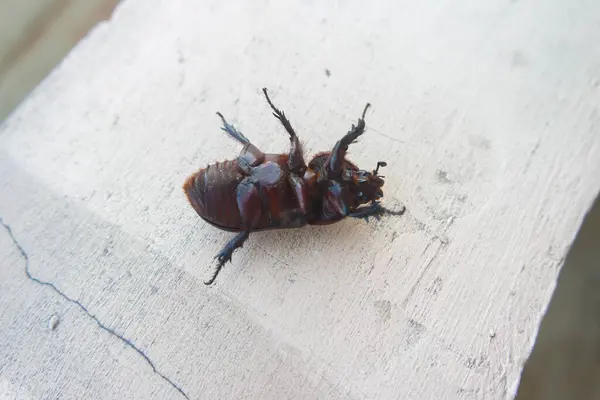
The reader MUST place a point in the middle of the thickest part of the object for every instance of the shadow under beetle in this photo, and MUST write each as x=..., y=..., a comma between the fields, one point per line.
x=259, y=191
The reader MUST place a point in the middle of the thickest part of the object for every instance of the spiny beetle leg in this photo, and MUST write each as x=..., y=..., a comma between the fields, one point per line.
x=374, y=210
x=296, y=160
x=281, y=117
x=234, y=133
x=250, y=155
x=336, y=158
x=356, y=131
x=225, y=254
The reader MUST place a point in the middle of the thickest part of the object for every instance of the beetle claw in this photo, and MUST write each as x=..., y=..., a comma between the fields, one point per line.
x=222, y=260
x=226, y=254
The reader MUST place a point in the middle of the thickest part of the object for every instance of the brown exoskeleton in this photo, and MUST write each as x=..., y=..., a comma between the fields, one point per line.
x=259, y=191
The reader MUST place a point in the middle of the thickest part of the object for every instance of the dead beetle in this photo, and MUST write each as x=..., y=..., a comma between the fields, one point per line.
x=259, y=191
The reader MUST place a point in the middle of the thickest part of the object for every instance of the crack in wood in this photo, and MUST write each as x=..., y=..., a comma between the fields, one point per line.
x=83, y=308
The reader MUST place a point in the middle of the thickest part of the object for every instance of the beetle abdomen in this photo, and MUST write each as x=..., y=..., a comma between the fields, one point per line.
x=212, y=193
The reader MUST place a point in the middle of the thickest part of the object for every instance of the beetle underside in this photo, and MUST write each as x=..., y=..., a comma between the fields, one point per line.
x=282, y=191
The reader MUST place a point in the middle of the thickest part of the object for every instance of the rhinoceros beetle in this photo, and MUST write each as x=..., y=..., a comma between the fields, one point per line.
x=259, y=191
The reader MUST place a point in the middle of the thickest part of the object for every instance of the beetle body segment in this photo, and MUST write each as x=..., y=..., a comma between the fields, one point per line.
x=259, y=191
x=227, y=198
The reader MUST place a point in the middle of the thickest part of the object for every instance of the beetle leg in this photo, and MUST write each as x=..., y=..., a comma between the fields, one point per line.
x=296, y=161
x=334, y=206
x=250, y=156
x=250, y=205
x=295, y=218
x=225, y=255
x=336, y=158
x=374, y=210
x=299, y=187
x=234, y=133
x=250, y=202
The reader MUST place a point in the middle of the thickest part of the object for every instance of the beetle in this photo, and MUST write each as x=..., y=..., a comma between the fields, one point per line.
x=259, y=191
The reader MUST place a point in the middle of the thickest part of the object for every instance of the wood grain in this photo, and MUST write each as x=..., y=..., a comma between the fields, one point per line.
x=486, y=114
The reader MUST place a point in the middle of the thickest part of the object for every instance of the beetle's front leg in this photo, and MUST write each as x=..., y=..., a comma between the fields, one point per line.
x=225, y=254
x=334, y=206
x=336, y=158
x=374, y=210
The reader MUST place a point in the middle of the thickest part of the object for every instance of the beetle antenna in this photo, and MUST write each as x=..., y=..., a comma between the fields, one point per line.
x=379, y=164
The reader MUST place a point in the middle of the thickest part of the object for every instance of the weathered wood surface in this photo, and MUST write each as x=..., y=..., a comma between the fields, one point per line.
x=486, y=112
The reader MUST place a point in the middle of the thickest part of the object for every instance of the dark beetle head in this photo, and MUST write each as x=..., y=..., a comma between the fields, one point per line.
x=366, y=186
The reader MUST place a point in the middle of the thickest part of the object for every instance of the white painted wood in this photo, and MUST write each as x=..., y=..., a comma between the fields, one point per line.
x=486, y=113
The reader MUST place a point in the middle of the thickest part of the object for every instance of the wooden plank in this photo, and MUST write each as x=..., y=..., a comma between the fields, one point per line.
x=486, y=115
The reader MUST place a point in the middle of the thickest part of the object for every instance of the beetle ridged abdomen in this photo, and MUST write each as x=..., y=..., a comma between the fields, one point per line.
x=212, y=193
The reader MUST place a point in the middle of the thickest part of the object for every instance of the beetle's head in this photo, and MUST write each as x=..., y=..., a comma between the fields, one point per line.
x=366, y=185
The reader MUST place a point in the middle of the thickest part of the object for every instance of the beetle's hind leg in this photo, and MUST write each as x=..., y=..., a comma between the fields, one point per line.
x=250, y=155
x=225, y=254
x=234, y=133
x=296, y=161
